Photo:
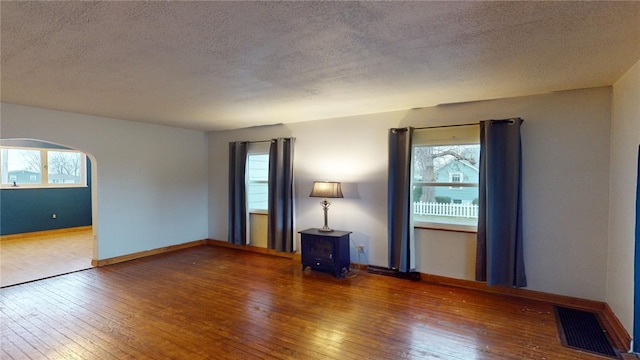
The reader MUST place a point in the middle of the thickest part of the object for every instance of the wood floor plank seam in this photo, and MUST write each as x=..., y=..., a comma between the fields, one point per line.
x=106, y=319
x=126, y=331
x=32, y=333
x=70, y=323
x=142, y=306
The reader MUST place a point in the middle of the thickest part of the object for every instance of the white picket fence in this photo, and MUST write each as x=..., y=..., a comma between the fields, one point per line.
x=439, y=209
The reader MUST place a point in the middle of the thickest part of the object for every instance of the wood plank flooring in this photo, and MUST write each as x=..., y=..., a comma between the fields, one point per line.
x=210, y=302
x=30, y=258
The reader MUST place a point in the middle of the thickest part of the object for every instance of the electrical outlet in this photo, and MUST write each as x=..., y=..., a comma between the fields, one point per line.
x=54, y=216
x=360, y=249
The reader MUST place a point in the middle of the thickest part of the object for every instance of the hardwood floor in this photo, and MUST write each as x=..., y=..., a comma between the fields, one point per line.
x=32, y=257
x=211, y=302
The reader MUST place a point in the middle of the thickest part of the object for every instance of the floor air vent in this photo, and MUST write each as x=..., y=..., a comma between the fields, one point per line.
x=582, y=330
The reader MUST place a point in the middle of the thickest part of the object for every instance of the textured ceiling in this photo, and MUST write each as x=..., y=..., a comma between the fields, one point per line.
x=225, y=65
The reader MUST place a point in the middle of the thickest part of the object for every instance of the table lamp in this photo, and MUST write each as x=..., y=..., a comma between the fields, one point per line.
x=326, y=189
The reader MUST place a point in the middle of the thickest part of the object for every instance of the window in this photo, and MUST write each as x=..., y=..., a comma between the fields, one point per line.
x=455, y=178
x=35, y=167
x=445, y=177
x=64, y=167
x=257, y=182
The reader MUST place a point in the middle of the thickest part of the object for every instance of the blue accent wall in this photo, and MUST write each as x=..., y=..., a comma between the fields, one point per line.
x=29, y=210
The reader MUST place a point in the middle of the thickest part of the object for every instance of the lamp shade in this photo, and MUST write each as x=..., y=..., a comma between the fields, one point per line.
x=326, y=189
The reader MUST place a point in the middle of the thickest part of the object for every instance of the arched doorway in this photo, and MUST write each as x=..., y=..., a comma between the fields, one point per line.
x=48, y=200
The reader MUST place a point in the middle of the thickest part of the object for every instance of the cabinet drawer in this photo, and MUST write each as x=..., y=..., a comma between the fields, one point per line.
x=323, y=262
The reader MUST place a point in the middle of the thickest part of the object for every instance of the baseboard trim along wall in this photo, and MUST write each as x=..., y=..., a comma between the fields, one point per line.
x=617, y=332
x=43, y=233
x=260, y=250
x=141, y=254
x=613, y=326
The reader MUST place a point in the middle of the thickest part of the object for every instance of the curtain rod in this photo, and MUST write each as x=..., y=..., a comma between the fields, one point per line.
x=260, y=141
x=444, y=126
x=250, y=142
x=478, y=123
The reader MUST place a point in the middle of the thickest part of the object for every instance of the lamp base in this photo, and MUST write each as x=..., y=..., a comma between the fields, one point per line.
x=325, y=208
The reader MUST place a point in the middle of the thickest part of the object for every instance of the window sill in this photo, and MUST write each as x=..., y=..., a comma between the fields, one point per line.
x=259, y=212
x=446, y=227
x=25, y=186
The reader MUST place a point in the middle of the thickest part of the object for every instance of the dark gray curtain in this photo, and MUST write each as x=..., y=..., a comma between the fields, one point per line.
x=499, y=257
x=237, y=193
x=280, y=219
x=636, y=266
x=400, y=212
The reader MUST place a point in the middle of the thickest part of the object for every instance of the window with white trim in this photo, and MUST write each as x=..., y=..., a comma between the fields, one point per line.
x=38, y=167
x=445, y=169
x=258, y=177
x=455, y=177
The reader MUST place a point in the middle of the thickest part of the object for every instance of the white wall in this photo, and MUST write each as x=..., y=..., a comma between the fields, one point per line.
x=150, y=181
x=565, y=190
x=625, y=139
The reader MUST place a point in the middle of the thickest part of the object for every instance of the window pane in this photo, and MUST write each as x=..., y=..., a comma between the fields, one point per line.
x=445, y=167
x=448, y=163
x=257, y=181
x=257, y=196
x=64, y=167
x=20, y=166
x=441, y=204
x=258, y=167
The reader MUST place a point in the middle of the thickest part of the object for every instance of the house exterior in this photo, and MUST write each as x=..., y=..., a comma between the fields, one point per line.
x=64, y=179
x=457, y=171
x=30, y=177
x=23, y=177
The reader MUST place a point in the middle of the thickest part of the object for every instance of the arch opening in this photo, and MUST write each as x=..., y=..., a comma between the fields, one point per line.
x=47, y=211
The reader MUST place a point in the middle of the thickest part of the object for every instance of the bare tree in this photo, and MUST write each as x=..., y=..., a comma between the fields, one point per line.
x=62, y=162
x=33, y=161
x=59, y=162
x=428, y=158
